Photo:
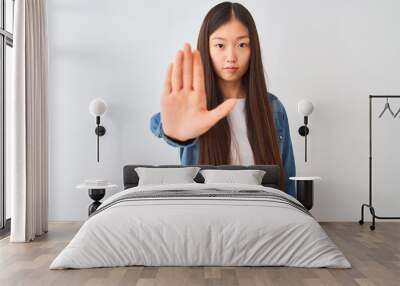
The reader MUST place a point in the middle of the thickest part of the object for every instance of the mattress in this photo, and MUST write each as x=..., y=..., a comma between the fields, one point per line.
x=198, y=224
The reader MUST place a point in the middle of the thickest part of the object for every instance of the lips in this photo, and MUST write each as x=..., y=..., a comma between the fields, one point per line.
x=231, y=69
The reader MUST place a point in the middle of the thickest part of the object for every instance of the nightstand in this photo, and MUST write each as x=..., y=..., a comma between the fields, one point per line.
x=96, y=193
x=305, y=190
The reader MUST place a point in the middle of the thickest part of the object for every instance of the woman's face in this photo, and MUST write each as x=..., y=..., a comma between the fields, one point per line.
x=230, y=50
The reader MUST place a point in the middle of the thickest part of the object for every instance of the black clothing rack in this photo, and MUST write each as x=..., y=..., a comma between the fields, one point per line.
x=371, y=208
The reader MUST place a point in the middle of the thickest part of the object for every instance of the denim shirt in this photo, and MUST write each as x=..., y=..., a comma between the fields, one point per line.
x=188, y=150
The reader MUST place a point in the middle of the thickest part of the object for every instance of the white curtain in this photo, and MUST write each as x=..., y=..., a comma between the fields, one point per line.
x=28, y=160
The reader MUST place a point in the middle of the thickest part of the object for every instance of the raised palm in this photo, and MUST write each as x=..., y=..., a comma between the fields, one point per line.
x=184, y=113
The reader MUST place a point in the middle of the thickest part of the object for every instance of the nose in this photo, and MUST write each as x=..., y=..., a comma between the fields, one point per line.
x=230, y=55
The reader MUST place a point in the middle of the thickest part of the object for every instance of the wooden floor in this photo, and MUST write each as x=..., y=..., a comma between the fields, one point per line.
x=374, y=255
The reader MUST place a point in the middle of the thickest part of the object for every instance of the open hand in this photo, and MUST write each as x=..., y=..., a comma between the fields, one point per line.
x=184, y=113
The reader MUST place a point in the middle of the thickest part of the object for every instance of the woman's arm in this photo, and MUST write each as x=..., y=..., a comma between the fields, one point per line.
x=288, y=157
x=156, y=128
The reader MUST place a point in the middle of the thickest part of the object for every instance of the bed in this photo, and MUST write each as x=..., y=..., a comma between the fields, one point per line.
x=201, y=224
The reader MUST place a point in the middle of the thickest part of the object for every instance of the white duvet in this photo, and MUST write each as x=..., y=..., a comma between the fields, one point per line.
x=200, y=231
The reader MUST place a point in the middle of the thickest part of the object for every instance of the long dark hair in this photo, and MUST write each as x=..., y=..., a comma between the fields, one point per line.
x=261, y=131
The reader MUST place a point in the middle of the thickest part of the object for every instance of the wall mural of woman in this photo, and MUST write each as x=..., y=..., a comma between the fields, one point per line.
x=215, y=106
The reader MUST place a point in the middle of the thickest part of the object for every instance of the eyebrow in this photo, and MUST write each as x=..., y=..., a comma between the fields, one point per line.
x=238, y=38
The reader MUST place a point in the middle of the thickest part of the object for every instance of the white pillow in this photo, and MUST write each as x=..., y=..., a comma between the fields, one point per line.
x=249, y=176
x=161, y=176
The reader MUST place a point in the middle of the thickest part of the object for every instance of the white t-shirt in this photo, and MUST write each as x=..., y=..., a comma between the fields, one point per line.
x=240, y=145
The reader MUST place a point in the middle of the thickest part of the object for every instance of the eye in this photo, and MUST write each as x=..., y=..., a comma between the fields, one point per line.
x=242, y=45
x=219, y=45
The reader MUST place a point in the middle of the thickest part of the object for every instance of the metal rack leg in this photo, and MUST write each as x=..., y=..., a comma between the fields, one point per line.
x=372, y=210
x=361, y=221
x=374, y=216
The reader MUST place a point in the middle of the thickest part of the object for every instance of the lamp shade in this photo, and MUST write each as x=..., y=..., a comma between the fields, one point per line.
x=305, y=107
x=97, y=107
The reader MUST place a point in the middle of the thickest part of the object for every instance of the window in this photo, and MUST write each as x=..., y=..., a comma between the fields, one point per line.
x=6, y=44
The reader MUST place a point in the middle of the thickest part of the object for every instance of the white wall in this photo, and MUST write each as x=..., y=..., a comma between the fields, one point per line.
x=335, y=53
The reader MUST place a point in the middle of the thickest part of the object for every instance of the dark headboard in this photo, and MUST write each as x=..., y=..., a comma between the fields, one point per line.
x=270, y=179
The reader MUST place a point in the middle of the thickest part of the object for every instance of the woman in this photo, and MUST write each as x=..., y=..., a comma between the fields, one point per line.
x=221, y=113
